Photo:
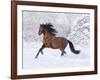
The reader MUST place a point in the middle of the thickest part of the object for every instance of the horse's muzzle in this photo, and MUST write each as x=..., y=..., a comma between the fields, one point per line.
x=39, y=33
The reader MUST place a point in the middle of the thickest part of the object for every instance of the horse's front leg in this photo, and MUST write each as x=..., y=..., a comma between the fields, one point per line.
x=40, y=50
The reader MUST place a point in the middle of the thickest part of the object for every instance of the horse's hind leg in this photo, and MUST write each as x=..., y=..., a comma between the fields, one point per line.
x=63, y=52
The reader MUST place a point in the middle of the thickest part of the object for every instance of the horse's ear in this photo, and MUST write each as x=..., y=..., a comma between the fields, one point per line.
x=40, y=24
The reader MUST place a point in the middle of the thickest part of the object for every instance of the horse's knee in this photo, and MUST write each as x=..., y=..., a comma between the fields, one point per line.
x=42, y=52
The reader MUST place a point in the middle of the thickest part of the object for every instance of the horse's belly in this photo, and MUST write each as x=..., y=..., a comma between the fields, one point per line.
x=47, y=45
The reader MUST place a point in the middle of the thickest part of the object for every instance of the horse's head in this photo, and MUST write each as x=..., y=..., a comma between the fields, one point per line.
x=41, y=29
x=48, y=27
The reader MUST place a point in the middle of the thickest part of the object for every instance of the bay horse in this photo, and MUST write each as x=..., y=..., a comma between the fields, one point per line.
x=51, y=41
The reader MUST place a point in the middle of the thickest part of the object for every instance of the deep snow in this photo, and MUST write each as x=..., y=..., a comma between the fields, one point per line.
x=52, y=57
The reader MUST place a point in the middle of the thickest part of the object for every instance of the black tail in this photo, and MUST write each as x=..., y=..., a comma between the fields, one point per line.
x=72, y=48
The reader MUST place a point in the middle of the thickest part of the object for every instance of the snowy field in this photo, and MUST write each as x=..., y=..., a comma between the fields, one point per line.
x=72, y=26
x=52, y=57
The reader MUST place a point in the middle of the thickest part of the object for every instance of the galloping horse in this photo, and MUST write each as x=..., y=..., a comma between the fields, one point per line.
x=51, y=41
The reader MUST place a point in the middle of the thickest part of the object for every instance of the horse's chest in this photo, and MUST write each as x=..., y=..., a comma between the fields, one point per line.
x=47, y=42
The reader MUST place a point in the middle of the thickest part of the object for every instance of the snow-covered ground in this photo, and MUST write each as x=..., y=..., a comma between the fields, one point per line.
x=73, y=26
x=52, y=57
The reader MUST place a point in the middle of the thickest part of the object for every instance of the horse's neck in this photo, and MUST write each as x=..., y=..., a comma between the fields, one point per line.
x=47, y=35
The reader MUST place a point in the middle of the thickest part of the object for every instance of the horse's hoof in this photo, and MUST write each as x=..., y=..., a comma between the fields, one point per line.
x=36, y=57
x=62, y=54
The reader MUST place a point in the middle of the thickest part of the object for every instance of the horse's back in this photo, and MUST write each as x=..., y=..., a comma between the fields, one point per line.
x=59, y=42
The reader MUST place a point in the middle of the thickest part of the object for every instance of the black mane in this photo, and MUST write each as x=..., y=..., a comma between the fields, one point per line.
x=50, y=28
